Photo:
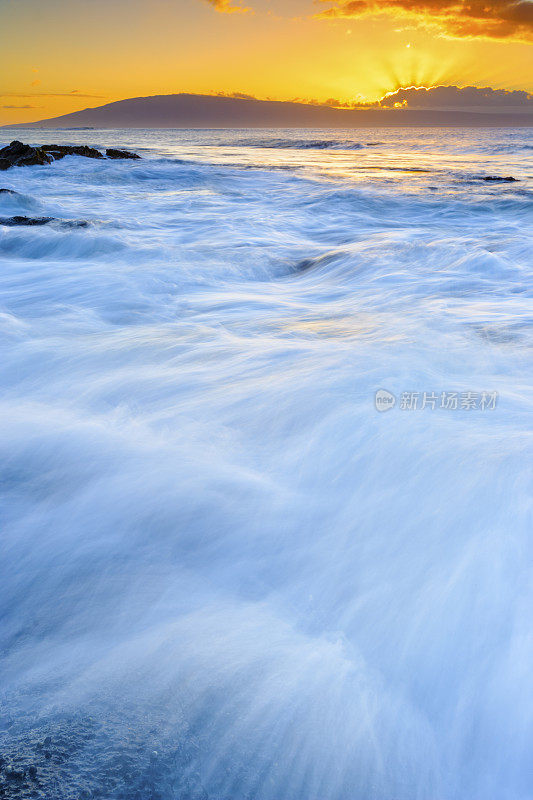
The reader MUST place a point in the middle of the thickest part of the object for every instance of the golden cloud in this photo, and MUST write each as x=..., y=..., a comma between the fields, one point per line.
x=227, y=7
x=493, y=19
x=478, y=98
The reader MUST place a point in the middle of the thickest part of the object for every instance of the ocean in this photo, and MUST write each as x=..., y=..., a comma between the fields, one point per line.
x=266, y=501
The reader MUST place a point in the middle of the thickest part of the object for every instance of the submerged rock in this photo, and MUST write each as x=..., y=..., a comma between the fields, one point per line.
x=111, y=153
x=118, y=757
x=58, y=151
x=19, y=220
x=32, y=221
x=18, y=154
x=13, y=774
x=506, y=179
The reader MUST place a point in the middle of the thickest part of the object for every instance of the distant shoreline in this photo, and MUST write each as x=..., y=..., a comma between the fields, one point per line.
x=212, y=112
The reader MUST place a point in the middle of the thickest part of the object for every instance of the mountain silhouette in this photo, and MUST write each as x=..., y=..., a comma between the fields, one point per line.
x=215, y=111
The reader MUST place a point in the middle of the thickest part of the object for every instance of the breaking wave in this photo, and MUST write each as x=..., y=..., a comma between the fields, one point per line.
x=226, y=575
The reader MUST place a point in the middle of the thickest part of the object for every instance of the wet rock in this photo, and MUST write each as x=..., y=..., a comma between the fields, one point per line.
x=18, y=154
x=122, y=756
x=112, y=153
x=18, y=220
x=506, y=179
x=14, y=774
x=12, y=222
x=58, y=151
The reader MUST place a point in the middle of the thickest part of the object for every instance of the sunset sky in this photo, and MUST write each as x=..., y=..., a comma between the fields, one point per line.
x=58, y=56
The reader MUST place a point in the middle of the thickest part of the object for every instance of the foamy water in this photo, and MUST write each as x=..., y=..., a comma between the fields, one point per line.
x=219, y=560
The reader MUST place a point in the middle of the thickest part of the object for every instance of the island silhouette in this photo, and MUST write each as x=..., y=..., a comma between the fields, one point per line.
x=215, y=111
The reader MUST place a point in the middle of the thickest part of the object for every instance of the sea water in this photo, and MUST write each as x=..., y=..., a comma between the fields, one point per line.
x=226, y=573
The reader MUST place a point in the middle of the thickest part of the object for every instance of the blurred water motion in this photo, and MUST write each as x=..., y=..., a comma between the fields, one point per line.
x=225, y=575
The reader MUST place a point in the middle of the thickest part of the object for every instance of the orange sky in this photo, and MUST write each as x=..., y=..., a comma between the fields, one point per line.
x=59, y=56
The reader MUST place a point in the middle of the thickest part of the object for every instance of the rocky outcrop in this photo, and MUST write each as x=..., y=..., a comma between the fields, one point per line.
x=111, y=153
x=12, y=222
x=18, y=154
x=58, y=151
x=498, y=178
x=26, y=221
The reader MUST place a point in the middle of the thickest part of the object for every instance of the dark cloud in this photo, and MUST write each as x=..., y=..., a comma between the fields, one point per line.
x=473, y=98
x=493, y=19
x=227, y=6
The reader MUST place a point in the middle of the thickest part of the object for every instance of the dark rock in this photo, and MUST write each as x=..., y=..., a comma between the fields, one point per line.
x=13, y=774
x=111, y=153
x=507, y=179
x=12, y=222
x=72, y=223
x=57, y=155
x=58, y=151
x=106, y=758
x=18, y=154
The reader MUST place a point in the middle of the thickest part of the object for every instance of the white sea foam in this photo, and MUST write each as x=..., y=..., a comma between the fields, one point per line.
x=210, y=536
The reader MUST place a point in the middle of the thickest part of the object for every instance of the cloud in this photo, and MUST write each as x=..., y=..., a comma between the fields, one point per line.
x=227, y=6
x=19, y=107
x=460, y=97
x=330, y=102
x=473, y=98
x=490, y=19
x=236, y=95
